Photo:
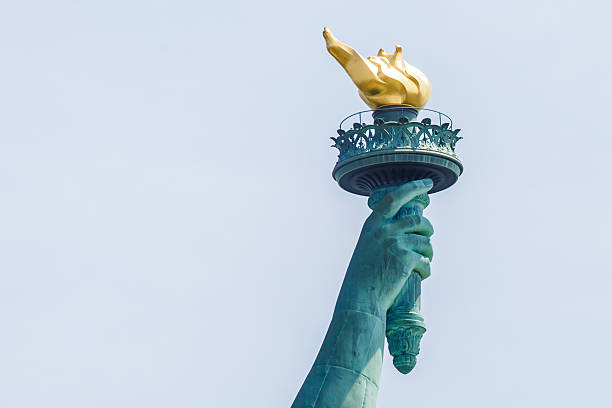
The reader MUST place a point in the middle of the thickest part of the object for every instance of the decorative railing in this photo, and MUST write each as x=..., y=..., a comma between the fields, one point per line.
x=436, y=117
x=401, y=134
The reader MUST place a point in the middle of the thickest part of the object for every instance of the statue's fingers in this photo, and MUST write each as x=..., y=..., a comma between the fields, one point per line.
x=418, y=243
x=411, y=224
x=390, y=204
x=422, y=267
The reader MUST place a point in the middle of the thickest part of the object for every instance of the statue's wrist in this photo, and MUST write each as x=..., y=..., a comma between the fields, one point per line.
x=354, y=298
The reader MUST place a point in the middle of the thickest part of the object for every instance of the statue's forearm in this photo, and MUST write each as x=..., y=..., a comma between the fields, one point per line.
x=347, y=369
x=346, y=372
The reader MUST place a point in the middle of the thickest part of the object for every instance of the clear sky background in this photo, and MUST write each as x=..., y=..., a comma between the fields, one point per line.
x=171, y=236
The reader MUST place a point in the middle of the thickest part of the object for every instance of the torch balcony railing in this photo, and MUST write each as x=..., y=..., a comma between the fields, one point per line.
x=422, y=130
x=434, y=116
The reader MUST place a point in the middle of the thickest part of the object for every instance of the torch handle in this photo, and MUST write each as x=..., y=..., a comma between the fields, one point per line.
x=405, y=324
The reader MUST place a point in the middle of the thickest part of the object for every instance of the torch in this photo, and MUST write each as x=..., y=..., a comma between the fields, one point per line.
x=380, y=149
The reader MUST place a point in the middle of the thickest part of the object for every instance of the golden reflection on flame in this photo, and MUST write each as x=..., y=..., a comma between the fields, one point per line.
x=385, y=79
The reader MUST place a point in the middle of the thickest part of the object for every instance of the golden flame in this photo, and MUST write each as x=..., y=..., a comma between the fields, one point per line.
x=385, y=79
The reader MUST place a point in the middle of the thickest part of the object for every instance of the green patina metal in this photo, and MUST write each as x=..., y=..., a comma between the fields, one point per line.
x=403, y=134
x=393, y=249
x=396, y=161
x=394, y=149
x=405, y=325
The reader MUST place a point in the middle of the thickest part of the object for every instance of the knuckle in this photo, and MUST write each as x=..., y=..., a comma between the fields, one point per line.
x=429, y=226
x=424, y=268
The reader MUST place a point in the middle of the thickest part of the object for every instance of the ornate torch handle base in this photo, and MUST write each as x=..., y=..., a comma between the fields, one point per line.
x=404, y=332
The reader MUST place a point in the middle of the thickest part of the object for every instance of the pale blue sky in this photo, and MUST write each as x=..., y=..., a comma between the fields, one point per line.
x=171, y=236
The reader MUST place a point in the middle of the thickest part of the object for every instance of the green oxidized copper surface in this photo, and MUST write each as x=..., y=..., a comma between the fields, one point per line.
x=405, y=325
x=395, y=149
x=395, y=161
x=381, y=135
x=382, y=282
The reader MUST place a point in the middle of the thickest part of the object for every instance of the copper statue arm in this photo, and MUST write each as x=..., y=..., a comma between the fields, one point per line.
x=390, y=250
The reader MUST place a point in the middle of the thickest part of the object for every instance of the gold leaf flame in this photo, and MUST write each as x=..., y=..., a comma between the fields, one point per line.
x=385, y=79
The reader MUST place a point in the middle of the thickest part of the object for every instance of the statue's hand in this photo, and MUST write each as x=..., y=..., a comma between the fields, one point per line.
x=388, y=251
x=346, y=372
